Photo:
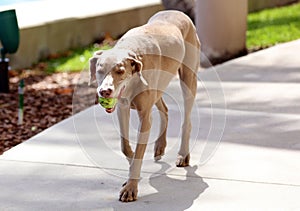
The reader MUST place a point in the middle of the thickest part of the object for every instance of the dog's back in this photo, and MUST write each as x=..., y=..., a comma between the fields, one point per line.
x=181, y=21
x=169, y=33
x=177, y=18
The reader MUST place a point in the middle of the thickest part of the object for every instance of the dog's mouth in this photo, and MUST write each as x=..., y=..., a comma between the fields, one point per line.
x=112, y=109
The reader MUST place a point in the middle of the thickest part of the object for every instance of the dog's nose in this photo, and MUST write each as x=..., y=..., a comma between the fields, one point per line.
x=105, y=92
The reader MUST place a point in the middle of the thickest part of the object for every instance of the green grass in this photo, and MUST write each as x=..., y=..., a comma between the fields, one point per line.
x=75, y=61
x=272, y=26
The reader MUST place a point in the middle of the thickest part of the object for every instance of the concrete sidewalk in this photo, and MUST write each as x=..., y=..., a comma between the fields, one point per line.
x=77, y=164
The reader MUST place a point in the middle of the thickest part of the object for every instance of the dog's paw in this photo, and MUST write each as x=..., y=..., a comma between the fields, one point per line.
x=129, y=191
x=183, y=161
x=159, y=150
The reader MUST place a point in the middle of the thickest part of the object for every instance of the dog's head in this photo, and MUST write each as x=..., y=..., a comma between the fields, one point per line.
x=113, y=70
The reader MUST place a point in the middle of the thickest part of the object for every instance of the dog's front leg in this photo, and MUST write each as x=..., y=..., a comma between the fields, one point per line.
x=123, y=116
x=130, y=189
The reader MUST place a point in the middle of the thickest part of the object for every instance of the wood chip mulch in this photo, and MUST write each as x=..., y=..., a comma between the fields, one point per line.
x=47, y=101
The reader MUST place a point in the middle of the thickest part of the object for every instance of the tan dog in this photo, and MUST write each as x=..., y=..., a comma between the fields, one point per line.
x=137, y=70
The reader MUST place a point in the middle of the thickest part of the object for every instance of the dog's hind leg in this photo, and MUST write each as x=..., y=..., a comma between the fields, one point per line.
x=188, y=82
x=161, y=143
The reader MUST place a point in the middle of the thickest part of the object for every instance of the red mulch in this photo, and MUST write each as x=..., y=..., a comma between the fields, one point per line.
x=47, y=100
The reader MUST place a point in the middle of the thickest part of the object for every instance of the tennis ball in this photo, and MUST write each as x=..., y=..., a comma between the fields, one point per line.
x=107, y=102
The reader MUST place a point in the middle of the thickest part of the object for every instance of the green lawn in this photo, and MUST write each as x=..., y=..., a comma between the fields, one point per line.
x=76, y=60
x=272, y=26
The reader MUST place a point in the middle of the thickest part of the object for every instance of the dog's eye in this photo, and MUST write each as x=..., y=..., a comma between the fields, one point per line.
x=120, y=70
x=132, y=62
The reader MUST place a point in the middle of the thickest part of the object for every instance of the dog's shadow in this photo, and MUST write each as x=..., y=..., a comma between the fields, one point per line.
x=175, y=192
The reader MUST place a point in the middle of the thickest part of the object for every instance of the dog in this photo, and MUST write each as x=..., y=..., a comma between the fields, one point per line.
x=136, y=71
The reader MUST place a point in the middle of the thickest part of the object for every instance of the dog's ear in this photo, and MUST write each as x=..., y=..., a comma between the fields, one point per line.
x=93, y=62
x=137, y=67
x=135, y=61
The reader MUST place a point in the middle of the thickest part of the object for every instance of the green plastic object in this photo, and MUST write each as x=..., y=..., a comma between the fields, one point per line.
x=9, y=32
x=107, y=102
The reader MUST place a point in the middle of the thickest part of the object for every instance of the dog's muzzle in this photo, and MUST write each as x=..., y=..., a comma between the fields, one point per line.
x=106, y=99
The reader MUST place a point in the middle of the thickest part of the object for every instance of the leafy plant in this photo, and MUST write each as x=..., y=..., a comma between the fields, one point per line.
x=74, y=60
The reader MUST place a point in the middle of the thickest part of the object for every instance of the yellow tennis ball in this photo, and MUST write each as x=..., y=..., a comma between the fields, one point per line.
x=107, y=102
